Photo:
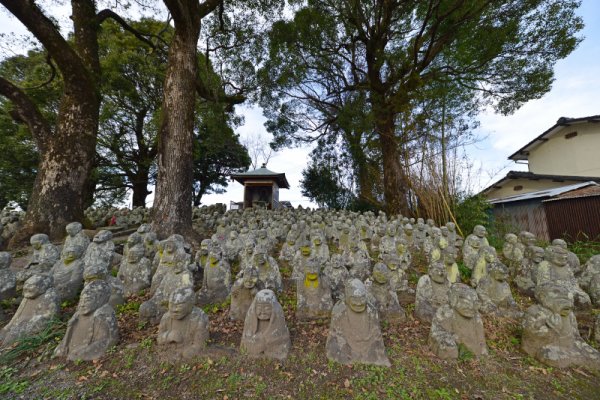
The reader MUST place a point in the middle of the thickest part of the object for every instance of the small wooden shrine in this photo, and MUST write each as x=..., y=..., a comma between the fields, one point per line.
x=261, y=187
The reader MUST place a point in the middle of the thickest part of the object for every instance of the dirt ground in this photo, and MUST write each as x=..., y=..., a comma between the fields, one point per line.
x=136, y=368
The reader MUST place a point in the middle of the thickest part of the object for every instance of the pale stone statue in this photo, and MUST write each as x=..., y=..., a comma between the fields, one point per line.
x=357, y=261
x=93, y=329
x=183, y=329
x=216, y=282
x=572, y=259
x=288, y=250
x=458, y=324
x=337, y=275
x=494, y=293
x=8, y=279
x=398, y=280
x=242, y=293
x=100, y=251
x=513, y=252
x=320, y=249
x=550, y=332
x=313, y=293
x=403, y=253
x=354, y=333
x=38, y=307
x=555, y=269
x=133, y=240
x=45, y=255
x=150, y=245
x=386, y=299
x=268, y=270
x=589, y=271
x=135, y=271
x=594, y=290
x=265, y=331
x=67, y=273
x=302, y=255
x=174, y=275
x=94, y=272
x=75, y=235
x=387, y=244
x=432, y=292
x=202, y=255
x=449, y=259
x=487, y=257
x=527, y=272
x=474, y=242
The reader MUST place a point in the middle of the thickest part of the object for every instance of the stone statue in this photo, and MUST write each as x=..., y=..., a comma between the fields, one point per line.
x=572, y=259
x=135, y=271
x=494, y=293
x=357, y=261
x=302, y=255
x=97, y=271
x=458, y=324
x=45, y=254
x=93, y=329
x=432, y=292
x=242, y=293
x=473, y=243
x=174, y=275
x=550, y=332
x=100, y=251
x=590, y=269
x=513, y=252
x=449, y=259
x=386, y=299
x=337, y=275
x=527, y=272
x=555, y=269
x=313, y=293
x=75, y=235
x=487, y=257
x=265, y=331
x=8, y=279
x=268, y=270
x=67, y=273
x=320, y=249
x=354, y=333
x=38, y=307
x=216, y=282
x=183, y=329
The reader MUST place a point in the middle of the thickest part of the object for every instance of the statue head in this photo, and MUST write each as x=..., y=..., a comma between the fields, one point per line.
x=94, y=271
x=144, y=228
x=311, y=270
x=401, y=246
x=444, y=231
x=133, y=239
x=535, y=253
x=93, y=296
x=73, y=228
x=305, y=250
x=150, y=238
x=381, y=273
x=436, y=233
x=560, y=243
x=498, y=272
x=264, y=304
x=480, y=231
x=557, y=255
x=527, y=238
x=5, y=259
x=451, y=226
x=250, y=277
x=464, y=300
x=408, y=230
x=555, y=297
x=102, y=236
x=36, y=285
x=135, y=254
x=38, y=240
x=489, y=253
x=510, y=238
x=474, y=242
x=450, y=255
x=356, y=295
x=316, y=239
x=437, y=272
x=71, y=253
x=181, y=303
x=391, y=230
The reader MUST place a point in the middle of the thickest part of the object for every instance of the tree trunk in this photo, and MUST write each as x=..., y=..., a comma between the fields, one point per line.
x=140, y=187
x=66, y=155
x=172, y=210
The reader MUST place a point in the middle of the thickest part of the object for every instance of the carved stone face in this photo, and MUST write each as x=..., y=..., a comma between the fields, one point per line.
x=474, y=242
x=400, y=248
x=464, y=302
x=358, y=304
x=70, y=255
x=437, y=272
x=91, y=299
x=559, y=256
x=499, y=274
x=381, y=274
x=134, y=255
x=264, y=310
x=33, y=287
x=250, y=279
x=305, y=250
x=490, y=257
x=180, y=307
x=317, y=240
x=73, y=228
x=537, y=255
x=260, y=258
x=558, y=301
x=480, y=231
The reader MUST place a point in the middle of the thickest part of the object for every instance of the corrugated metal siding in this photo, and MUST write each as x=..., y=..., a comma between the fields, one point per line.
x=576, y=218
x=524, y=215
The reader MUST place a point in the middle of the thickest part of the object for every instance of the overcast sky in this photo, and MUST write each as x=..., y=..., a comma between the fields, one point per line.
x=575, y=93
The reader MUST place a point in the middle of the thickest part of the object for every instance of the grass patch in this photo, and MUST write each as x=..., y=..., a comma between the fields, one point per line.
x=32, y=344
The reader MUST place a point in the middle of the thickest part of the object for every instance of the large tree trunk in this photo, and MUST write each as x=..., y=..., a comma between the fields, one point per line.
x=66, y=155
x=172, y=210
x=140, y=187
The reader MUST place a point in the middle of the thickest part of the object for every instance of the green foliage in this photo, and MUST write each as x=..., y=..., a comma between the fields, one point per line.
x=471, y=211
x=130, y=307
x=465, y=273
x=321, y=184
x=464, y=354
x=585, y=249
x=8, y=384
x=30, y=344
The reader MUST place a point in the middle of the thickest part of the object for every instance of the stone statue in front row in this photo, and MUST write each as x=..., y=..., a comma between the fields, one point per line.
x=432, y=292
x=93, y=329
x=458, y=324
x=45, y=254
x=183, y=329
x=242, y=293
x=38, y=307
x=265, y=331
x=494, y=293
x=135, y=271
x=313, y=293
x=385, y=296
x=550, y=332
x=354, y=333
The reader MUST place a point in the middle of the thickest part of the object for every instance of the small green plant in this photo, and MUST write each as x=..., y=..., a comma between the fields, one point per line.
x=128, y=308
x=8, y=384
x=465, y=273
x=30, y=344
x=147, y=343
x=464, y=354
x=184, y=368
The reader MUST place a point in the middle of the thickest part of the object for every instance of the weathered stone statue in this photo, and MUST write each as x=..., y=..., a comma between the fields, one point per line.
x=67, y=273
x=100, y=251
x=265, y=331
x=135, y=271
x=45, y=254
x=589, y=271
x=216, y=282
x=174, y=275
x=150, y=245
x=594, y=290
x=268, y=270
x=38, y=307
x=449, y=259
x=432, y=292
x=337, y=275
x=386, y=299
x=487, y=257
x=474, y=242
x=288, y=250
x=320, y=249
x=313, y=293
x=93, y=329
x=357, y=261
x=354, y=333
x=183, y=329
x=398, y=280
x=75, y=235
x=494, y=293
x=8, y=279
x=242, y=293
x=555, y=269
x=458, y=324
x=302, y=255
x=94, y=272
x=527, y=272
x=403, y=253
x=572, y=259
x=550, y=332
x=513, y=252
